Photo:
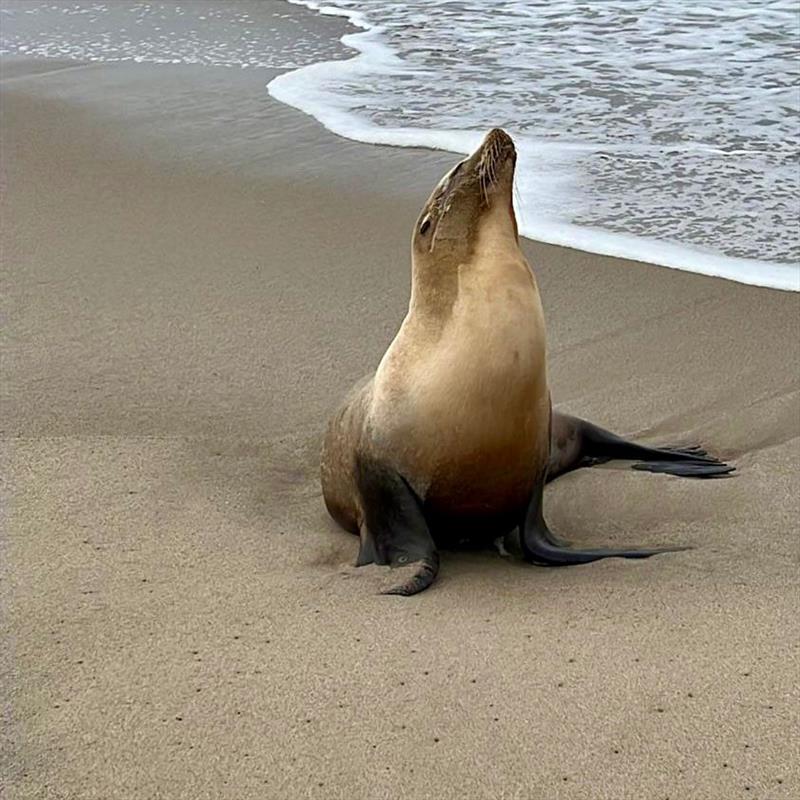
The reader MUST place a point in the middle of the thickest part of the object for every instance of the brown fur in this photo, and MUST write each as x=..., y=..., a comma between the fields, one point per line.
x=459, y=404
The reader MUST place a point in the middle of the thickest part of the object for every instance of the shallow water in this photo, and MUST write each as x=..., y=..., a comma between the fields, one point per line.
x=228, y=33
x=664, y=132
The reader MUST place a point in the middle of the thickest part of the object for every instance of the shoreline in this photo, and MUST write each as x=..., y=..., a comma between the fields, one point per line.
x=216, y=156
x=297, y=88
x=207, y=149
x=195, y=275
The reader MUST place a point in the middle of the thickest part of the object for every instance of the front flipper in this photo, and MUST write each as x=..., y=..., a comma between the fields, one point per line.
x=395, y=531
x=577, y=443
x=541, y=546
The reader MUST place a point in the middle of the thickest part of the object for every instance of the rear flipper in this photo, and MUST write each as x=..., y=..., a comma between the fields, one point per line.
x=395, y=531
x=686, y=469
x=541, y=546
x=576, y=443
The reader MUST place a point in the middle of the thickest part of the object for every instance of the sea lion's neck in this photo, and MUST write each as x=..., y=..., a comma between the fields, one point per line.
x=497, y=237
x=436, y=282
x=434, y=290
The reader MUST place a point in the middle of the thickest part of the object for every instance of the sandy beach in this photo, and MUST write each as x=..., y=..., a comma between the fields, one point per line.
x=193, y=275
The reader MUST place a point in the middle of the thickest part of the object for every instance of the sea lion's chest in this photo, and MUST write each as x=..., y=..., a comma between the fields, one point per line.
x=464, y=408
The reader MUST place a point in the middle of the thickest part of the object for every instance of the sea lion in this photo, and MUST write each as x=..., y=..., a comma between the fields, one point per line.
x=454, y=437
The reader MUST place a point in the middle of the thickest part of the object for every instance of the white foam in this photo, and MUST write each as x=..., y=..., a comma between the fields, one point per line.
x=663, y=132
x=550, y=186
x=204, y=32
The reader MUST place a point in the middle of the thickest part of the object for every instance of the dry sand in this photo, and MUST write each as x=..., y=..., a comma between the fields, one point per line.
x=193, y=274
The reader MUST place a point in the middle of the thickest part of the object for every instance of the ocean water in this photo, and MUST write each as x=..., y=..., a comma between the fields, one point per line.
x=221, y=33
x=665, y=132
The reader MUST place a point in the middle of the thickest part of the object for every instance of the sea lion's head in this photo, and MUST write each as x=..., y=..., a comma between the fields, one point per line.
x=474, y=198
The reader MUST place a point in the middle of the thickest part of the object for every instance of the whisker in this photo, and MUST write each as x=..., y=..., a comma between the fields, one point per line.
x=518, y=201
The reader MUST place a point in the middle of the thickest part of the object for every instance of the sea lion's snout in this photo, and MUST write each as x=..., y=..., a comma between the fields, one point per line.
x=481, y=182
x=500, y=141
x=497, y=147
x=495, y=153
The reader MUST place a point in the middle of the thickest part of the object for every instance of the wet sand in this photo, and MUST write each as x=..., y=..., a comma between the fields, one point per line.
x=193, y=275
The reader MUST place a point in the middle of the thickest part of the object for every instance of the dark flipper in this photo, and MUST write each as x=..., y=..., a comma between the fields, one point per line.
x=685, y=469
x=541, y=546
x=577, y=443
x=395, y=531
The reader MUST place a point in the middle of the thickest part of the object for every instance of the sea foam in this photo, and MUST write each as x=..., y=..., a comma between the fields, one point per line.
x=664, y=132
x=666, y=136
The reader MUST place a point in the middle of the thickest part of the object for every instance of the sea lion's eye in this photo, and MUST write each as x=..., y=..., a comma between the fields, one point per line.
x=426, y=223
